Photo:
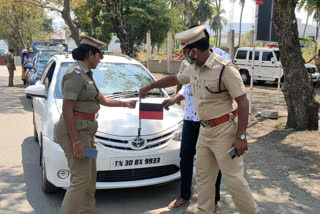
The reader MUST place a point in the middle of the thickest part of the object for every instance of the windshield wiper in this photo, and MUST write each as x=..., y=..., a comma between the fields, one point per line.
x=124, y=94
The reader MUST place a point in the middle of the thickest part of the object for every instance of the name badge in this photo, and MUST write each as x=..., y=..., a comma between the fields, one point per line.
x=90, y=82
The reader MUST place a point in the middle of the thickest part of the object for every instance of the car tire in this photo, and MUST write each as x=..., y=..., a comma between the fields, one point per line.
x=245, y=77
x=35, y=134
x=46, y=186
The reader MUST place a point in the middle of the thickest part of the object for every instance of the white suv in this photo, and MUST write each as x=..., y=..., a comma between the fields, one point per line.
x=121, y=162
x=266, y=64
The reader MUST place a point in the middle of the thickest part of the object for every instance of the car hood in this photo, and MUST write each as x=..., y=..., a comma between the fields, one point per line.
x=121, y=121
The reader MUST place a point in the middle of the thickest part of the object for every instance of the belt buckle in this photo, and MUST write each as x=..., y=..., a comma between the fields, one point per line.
x=205, y=123
x=96, y=115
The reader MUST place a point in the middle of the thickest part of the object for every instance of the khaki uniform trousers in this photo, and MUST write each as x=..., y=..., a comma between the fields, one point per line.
x=80, y=195
x=212, y=146
x=11, y=75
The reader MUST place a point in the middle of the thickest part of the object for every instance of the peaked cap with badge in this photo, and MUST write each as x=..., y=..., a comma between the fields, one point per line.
x=93, y=42
x=190, y=36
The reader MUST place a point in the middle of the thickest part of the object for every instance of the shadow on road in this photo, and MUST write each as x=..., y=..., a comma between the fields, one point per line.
x=13, y=100
x=113, y=201
x=273, y=169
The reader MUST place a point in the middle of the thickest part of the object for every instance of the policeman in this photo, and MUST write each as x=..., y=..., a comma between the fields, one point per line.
x=220, y=97
x=11, y=66
x=77, y=125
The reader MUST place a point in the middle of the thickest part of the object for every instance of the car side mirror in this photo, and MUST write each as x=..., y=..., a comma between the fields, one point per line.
x=38, y=90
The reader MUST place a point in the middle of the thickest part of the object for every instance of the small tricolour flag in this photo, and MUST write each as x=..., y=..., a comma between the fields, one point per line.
x=151, y=111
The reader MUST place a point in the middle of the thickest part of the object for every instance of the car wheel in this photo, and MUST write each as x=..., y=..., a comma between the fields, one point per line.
x=46, y=186
x=245, y=77
x=35, y=134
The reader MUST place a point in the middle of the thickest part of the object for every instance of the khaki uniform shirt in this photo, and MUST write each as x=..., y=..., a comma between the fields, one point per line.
x=213, y=105
x=78, y=85
x=10, y=60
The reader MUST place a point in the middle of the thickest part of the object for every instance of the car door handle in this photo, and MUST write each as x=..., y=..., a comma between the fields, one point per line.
x=234, y=60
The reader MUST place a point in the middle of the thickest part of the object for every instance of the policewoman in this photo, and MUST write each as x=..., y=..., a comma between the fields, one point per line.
x=222, y=107
x=77, y=125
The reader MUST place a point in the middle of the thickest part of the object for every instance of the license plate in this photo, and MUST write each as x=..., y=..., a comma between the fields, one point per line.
x=136, y=162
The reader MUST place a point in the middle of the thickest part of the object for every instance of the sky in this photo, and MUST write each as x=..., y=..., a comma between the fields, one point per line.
x=232, y=13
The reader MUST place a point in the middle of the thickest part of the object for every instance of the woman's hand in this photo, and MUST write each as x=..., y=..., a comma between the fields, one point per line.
x=78, y=150
x=130, y=104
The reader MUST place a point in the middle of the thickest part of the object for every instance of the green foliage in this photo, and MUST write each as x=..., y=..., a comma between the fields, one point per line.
x=93, y=20
x=142, y=16
x=21, y=24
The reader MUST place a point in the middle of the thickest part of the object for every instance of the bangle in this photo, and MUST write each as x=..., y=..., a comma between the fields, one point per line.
x=150, y=86
x=77, y=142
x=125, y=104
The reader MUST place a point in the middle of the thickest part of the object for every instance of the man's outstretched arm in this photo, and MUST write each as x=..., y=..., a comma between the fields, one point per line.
x=164, y=82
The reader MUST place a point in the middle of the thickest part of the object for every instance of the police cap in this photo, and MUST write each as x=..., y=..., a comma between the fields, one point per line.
x=190, y=36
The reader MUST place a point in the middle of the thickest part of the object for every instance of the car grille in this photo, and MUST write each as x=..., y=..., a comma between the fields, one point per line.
x=124, y=144
x=136, y=174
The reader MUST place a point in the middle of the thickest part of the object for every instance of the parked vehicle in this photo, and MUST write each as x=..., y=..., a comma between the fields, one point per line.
x=40, y=61
x=266, y=64
x=315, y=75
x=121, y=162
x=3, y=52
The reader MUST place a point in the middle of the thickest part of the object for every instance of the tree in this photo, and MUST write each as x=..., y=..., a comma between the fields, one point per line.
x=64, y=7
x=93, y=19
x=218, y=21
x=297, y=88
x=203, y=11
x=22, y=24
x=131, y=20
x=306, y=5
x=242, y=3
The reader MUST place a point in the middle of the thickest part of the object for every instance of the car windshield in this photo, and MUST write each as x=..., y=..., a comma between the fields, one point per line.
x=43, y=60
x=114, y=79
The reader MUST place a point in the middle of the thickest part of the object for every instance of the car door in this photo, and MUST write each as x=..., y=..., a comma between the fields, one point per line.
x=267, y=66
x=241, y=58
x=40, y=107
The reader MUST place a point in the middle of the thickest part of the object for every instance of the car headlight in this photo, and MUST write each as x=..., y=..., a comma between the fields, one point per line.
x=178, y=133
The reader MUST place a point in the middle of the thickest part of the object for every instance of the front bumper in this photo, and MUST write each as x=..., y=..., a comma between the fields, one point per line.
x=55, y=160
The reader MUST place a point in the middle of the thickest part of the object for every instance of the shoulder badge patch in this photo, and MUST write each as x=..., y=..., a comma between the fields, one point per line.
x=77, y=70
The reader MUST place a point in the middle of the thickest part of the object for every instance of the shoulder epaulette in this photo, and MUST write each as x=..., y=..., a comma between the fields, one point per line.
x=222, y=60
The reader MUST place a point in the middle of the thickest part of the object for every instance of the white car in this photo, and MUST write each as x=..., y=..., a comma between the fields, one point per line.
x=123, y=159
x=266, y=65
x=315, y=75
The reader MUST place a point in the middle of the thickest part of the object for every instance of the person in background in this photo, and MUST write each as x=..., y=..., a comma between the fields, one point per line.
x=77, y=125
x=11, y=66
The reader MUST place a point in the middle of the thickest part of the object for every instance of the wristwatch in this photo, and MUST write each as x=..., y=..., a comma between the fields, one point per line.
x=242, y=136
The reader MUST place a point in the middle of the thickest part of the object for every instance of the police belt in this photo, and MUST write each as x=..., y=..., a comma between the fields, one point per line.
x=84, y=115
x=218, y=121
